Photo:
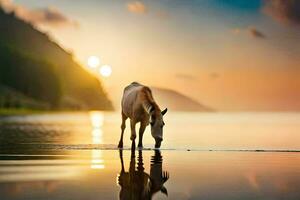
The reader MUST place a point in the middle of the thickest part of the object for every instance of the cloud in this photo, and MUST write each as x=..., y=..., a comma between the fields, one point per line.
x=45, y=16
x=49, y=16
x=256, y=33
x=137, y=7
x=283, y=11
x=252, y=31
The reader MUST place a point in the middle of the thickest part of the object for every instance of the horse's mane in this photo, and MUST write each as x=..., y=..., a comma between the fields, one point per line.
x=147, y=97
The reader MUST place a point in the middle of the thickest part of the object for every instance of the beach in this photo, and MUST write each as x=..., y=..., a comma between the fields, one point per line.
x=203, y=156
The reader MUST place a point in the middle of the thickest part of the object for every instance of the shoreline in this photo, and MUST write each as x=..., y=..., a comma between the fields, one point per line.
x=111, y=147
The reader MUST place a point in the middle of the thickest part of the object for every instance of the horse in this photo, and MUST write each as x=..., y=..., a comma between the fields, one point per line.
x=136, y=184
x=139, y=105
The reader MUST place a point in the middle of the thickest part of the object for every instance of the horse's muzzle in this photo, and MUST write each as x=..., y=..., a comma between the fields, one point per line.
x=158, y=143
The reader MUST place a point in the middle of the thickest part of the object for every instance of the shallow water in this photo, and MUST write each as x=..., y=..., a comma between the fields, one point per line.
x=74, y=156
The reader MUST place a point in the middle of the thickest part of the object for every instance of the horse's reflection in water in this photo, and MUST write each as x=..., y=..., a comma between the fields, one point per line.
x=136, y=184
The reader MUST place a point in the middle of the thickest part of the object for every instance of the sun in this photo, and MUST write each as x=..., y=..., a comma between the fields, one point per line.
x=105, y=71
x=93, y=62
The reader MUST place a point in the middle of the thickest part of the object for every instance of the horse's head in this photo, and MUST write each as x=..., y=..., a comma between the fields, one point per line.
x=157, y=124
x=157, y=176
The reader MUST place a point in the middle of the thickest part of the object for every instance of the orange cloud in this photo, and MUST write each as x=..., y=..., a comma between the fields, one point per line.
x=284, y=11
x=45, y=16
x=137, y=7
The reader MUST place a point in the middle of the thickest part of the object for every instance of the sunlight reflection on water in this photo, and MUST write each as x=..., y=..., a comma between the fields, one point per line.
x=97, y=121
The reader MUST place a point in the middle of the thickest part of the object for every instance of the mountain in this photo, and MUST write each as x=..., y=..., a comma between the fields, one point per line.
x=10, y=98
x=33, y=65
x=176, y=101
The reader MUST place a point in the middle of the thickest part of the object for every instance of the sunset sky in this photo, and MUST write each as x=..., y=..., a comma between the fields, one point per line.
x=227, y=54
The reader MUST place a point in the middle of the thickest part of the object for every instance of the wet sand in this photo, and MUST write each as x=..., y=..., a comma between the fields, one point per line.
x=73, y=157
x=98, y=174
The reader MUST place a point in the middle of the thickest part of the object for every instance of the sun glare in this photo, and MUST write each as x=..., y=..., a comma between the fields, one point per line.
x=105, y=71
x=93, y=62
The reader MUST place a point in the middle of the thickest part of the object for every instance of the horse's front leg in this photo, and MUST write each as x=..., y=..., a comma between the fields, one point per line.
x=133, y=133
x=122, y=162
x=141, y=133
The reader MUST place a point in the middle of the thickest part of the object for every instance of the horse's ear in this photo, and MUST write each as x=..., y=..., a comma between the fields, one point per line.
x=164, y=111
x=164, y=190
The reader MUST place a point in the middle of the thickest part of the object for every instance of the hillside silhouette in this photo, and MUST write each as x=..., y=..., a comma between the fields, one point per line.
x=40, y=71
x=176, y=101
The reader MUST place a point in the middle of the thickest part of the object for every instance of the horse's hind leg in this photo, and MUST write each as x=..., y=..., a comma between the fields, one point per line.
x=123, y=126
x=133, y=133
x=141, y=133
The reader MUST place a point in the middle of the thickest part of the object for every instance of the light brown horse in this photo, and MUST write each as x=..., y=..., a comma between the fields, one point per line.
x=139, y=106
x=136, y=184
